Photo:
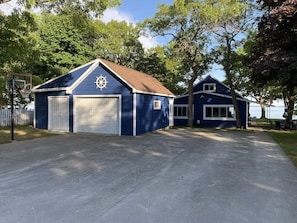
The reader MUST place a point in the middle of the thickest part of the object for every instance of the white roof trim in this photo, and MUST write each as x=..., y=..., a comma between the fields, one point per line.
x=55, y=78
x=49, y=89
x=83, y=76
x=215, y=94
x=152, y=93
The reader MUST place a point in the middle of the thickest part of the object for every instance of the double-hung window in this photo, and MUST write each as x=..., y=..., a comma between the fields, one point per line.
x=218, y=112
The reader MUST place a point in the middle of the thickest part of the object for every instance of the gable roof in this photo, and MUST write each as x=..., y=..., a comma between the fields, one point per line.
x=138, y=81
x=221, y=91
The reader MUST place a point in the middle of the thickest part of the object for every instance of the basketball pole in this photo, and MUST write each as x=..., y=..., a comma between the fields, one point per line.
x=12, y=110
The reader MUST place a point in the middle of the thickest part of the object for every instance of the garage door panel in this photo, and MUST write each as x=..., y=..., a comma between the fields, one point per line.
x=58, y=119
x=97, y=115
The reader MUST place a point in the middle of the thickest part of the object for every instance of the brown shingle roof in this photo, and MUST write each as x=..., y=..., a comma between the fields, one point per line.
x=139, y=81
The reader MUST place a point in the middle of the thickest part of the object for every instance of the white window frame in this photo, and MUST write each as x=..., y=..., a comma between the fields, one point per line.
x=211, y=86
x=181, y=106
x=219, y=118
x=157, y=105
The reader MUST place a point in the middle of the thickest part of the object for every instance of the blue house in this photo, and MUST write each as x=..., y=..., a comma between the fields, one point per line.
x=212, y=106
x=103, y=97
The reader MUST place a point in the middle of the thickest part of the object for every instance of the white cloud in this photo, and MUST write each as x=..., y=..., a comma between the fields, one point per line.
x=113, y=14
x=8, y=7
x=148, y=42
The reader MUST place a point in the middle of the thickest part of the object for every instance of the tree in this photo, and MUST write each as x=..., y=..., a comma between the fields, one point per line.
x=275, y=55
x=63, y=45
x=85, y=7
x=16, y=43
x=231, y=20
x=161, y=63
x=117, y=42
x=186, y=22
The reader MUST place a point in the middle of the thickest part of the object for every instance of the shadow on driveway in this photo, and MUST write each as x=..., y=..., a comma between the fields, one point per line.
x=178, y=175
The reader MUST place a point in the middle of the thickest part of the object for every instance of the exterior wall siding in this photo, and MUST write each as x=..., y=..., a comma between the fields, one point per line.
x=149, y=119
x=206, y=99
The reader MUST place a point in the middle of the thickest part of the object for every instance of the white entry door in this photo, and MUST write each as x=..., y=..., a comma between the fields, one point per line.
x=97, y=115
x=58, y=113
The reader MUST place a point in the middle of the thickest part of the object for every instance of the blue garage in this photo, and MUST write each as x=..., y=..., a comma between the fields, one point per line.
x=103, y=97
x=212, y=107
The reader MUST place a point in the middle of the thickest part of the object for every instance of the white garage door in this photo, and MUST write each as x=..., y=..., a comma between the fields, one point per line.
x=97, y=115
x=58, y=113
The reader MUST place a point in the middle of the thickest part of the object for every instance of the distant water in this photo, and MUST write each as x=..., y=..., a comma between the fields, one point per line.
x=275, y=112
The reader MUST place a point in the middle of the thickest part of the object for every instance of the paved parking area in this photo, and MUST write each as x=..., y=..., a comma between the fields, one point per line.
x=176, y=175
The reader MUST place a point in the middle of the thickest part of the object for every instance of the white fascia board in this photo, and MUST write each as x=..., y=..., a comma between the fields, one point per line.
x=83, y=76
x=215, y=94
x=151, y=93
x=55, y=78
x=49, y=89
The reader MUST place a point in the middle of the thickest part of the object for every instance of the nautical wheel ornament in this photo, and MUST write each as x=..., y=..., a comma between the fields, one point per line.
x=101, y=82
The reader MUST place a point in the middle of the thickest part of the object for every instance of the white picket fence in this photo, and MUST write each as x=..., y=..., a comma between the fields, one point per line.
x=21, y=117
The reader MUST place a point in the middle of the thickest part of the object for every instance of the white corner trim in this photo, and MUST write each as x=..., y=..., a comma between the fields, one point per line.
x=134, y=114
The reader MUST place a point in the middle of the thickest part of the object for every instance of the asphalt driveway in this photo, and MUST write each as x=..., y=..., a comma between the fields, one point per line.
x=168, y=176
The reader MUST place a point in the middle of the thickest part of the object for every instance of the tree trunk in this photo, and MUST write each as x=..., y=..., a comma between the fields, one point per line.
x=290, y=104
x=190, y=103
x=227, y=68
x=263, y=111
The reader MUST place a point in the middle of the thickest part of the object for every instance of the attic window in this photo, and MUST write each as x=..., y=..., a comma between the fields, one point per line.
x=209, y=87
x=157, y=105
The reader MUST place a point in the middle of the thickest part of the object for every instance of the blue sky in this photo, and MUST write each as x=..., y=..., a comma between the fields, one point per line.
x=140, y=10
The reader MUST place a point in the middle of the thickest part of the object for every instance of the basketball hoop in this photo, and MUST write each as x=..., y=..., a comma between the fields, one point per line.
x=17, y=83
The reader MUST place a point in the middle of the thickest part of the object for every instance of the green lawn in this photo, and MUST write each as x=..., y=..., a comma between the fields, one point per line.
x=288, y=141
x=22, y=133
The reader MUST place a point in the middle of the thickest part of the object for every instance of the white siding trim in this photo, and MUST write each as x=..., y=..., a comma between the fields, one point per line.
x=134, y=114
x=171, y=112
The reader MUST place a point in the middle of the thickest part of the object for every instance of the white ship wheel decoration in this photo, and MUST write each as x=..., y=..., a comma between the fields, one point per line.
x=101, y=82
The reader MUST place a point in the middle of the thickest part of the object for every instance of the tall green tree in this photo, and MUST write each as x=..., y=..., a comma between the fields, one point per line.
x=162, y=63
x=275, y=55
x=16, y=43
x=232, y=22
x=86, y=7
x=117, y=42
x=63, y=45
x=186, y=22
